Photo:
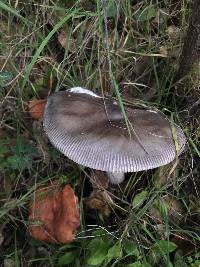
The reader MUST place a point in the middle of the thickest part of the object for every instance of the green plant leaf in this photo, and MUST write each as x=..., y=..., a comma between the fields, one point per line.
x=146, y=14
x=111, y=9
x=138, y=264
x=130, y=248
x=164, y=246
x=98, y=251
x=139, y=199
x=24, y=147
x=5, y=76
x=14, y=12
x=19, y=163
x=67, y=258
x=179, y=260
x=114, y=252
x=3, y=150
x=19, y=156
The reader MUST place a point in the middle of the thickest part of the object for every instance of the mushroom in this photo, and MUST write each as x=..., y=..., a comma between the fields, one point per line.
x=91, y=131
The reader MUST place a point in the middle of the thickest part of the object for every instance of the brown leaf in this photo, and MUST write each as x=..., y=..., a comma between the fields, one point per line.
x=187, y=246
x=36, y=108
x=163, y=50
x=66, y=41
x=173, y=32
x=100, y=200
x=55, y=214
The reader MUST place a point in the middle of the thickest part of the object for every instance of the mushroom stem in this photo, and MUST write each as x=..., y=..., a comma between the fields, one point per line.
x=116, y=177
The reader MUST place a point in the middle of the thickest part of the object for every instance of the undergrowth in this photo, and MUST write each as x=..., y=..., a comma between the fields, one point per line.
x=125, y=49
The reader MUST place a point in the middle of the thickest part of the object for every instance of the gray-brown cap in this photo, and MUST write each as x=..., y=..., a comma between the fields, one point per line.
x=91, y=131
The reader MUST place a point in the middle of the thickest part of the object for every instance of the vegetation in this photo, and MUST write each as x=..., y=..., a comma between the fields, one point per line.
x=127, y=49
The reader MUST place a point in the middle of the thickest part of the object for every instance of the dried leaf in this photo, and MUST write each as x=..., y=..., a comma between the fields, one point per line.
x=100, y=200
x=175, y=208
x=187, y=246
x=163, y=50
x=54, y=215
x=36, y=108
x=66, y=40
x=170, y=206
x=173, y=32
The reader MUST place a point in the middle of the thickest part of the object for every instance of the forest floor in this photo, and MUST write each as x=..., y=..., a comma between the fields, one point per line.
x=127, y=47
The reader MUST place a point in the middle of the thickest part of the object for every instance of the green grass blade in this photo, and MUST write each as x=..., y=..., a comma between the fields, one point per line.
x=195, y=147
x=14, y=12
x=113, y=80
x=44, y=43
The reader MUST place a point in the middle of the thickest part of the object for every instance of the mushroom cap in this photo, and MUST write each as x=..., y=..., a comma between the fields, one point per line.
x=91, y=131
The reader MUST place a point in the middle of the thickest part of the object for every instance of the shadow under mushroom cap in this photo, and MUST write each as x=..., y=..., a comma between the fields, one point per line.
x=92, y=132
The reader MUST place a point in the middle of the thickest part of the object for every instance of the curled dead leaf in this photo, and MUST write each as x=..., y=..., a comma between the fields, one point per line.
x=101, y=201
x=99, y=198
x=36, y=108
x=187, y=246
x=174, y=208
x=53, y=215
x=66, y=40
x=163, y=50
x=173, y=32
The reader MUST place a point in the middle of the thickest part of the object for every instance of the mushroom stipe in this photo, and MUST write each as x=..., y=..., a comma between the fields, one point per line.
x=91, y=131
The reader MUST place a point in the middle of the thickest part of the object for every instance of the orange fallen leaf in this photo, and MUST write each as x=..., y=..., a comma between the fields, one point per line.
x=36, y=108
x=54, y=215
